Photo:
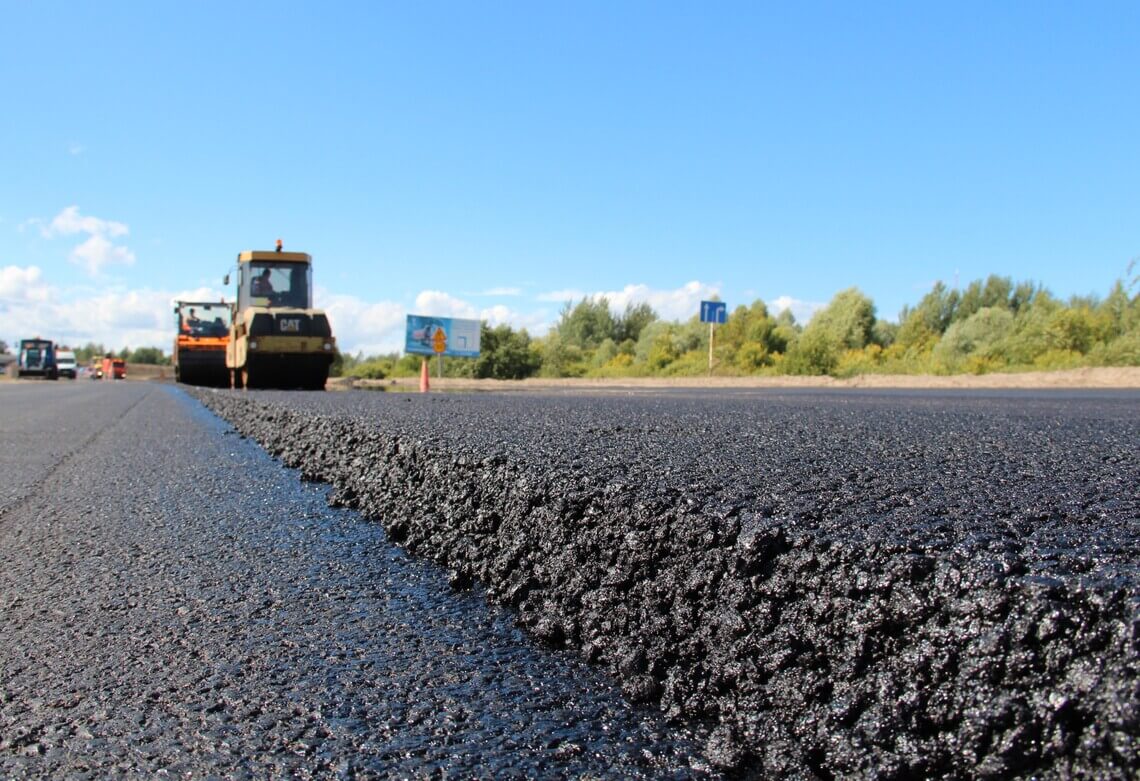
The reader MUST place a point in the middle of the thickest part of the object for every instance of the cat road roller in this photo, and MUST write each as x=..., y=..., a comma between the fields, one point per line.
x=277, y=339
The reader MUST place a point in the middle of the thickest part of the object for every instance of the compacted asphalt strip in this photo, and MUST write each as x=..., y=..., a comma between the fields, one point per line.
x=835, y=584
x=175, y=604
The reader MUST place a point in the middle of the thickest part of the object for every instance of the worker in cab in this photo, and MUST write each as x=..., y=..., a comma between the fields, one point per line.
x=190, y=322
x=261, y=285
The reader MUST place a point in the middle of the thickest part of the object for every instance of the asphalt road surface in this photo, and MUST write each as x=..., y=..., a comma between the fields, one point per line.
x=175, y=604
x=840, y=584
x=751, y=583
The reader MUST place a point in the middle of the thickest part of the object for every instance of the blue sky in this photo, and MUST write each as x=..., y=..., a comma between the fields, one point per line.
x=497, y=159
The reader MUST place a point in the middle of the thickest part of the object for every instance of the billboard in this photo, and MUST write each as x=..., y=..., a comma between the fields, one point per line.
x=427, y=335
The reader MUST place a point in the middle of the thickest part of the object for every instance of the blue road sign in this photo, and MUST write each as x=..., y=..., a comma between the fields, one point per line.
x=714, y=312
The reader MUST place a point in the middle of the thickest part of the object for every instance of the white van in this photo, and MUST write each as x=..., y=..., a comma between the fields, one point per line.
x=65, y=363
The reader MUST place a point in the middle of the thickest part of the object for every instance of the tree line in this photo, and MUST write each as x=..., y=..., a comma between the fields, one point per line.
x=991, y=325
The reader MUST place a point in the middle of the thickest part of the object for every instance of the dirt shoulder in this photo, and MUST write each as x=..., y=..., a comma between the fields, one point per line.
x=1111, y=377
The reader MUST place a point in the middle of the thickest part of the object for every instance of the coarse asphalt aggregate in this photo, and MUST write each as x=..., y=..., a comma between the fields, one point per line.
x=828, y=584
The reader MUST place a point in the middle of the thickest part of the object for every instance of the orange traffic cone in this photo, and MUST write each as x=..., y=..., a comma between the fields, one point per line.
x=425, y=386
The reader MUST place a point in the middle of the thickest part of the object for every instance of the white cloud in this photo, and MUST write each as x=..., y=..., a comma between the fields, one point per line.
x=99, y=249
x=536, y=323
x=115, y=319
x=21, y=285
x=70, y=221
x=362, y=327
x=803, y=311
x=676, y=304
x=197, y=294
x=500, y=291
x=498, y=314
x=561, y=296
x=97, y=252
x=436, y=302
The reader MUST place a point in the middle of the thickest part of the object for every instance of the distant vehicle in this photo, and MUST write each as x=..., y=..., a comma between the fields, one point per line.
x=114, y=368
x=37, y=359
x=199, y=356
x=66, y=365
x=277, y=339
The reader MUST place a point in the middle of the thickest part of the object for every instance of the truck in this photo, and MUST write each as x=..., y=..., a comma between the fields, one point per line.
x=37, y=359
x=114, y=368
x=65, y=363
x=203, y=331
x=277, y=339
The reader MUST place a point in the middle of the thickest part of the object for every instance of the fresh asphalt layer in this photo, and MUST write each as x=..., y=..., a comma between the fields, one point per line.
x=175, y=604
x=857, y=584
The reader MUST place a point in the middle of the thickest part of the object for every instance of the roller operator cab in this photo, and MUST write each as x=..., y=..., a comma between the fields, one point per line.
x=277, y=339
x=203, y=329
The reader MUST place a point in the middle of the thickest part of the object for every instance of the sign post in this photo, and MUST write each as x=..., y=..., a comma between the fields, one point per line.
x=713, y=312
x=439, y=347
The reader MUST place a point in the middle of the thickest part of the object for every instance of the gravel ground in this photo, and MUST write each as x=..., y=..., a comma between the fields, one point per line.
x=853, y=584
x=174, y=604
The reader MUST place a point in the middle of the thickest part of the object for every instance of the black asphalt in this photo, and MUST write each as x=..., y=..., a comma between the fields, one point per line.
x=174, y=604
x=838, y=585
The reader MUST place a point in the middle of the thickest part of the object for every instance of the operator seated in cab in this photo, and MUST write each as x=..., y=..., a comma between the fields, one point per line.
x=290, y=288
x=191, y=324
x=261, y=286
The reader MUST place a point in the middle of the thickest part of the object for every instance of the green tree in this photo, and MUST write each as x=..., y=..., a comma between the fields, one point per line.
x=978, y=336
x=750, y=338
x=787, y=330
x=629, y=325
x=1124, y=350
x=885, y=333
x=937, y=307
x=408, y=365
x=1024, y=295
x=342, y=364
x=152, y=356
x=1071, y=328
x=813, y=353
x=1116, y=312
x=848, y=321
x=656, y=347
x=89, y=352
x=374, y=367
x=560, y=358
x=606, y=352
x=587, y=324
x=995, y=292
x=921, y=327
x=506, y=354
x=1030, y=336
